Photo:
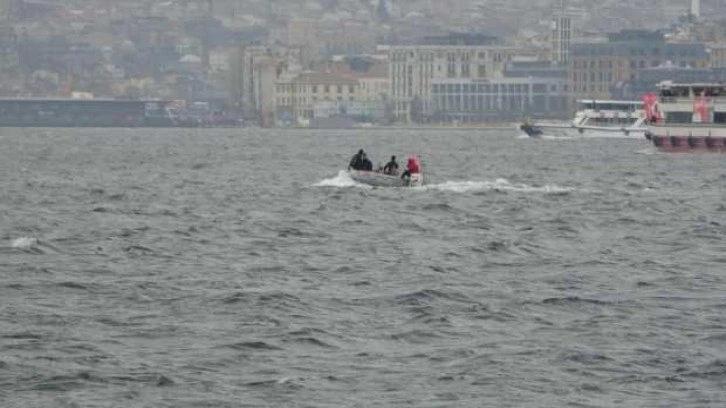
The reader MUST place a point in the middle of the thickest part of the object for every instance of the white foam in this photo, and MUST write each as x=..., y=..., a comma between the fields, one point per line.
x=24, y=243
x=497, y=185
x=343, y=179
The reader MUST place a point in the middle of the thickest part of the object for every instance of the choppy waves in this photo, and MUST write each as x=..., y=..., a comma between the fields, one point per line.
x=230, y=269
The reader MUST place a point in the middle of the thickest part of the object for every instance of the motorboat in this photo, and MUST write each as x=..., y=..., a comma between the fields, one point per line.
x=377, y=178
x=594, y=118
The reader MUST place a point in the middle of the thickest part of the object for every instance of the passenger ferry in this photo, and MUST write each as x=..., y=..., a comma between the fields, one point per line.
x=595, y=118
x=687, y=117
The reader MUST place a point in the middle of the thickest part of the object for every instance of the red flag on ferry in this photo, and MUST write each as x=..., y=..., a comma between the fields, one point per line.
x=700, y=109
x=650, y=106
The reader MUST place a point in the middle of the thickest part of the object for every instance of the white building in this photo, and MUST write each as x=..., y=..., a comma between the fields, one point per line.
x=473, y=100
x=413, y=68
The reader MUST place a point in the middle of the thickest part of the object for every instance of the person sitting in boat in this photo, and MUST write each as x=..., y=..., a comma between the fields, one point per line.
x=391, y=167
x=367, y=165
x=411, y=168
x=356, y=163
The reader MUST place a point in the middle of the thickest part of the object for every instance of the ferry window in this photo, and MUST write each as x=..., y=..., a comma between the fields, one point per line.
x=457, y=88
x=679, y=117
x=719, y=117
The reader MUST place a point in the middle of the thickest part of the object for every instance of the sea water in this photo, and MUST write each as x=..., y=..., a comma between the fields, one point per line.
x=243, y=268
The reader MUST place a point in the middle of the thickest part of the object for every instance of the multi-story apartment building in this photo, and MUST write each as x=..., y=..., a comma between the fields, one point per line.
x=595, y=67
x=413, y=68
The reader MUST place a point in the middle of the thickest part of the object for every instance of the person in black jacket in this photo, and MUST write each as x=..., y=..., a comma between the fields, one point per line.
x=391, y=167
x=356, y=163
x=367, y=164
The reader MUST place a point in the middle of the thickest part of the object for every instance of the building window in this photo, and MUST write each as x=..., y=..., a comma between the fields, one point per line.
x=350, y=88
x=327, y=88
x=315, y=89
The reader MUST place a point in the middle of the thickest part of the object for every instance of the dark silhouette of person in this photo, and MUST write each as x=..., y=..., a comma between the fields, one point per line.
x=391, y=167
x=367, y=164
x=356, y=163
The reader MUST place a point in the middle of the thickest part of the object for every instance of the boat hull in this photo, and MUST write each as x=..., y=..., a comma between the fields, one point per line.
x=376, y=179
x=688, y=138
x=571, y=132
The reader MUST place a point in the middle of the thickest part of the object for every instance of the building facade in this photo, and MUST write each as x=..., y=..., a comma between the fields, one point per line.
x=295, y=98
x=413, y=68
x=259, y=69
x=465, y=100
x=596, y=67
x=561, y=38
x=718, y=55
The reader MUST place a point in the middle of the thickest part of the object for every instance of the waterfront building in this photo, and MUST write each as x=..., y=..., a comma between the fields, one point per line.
x=259, y=69
x=414, y=67
x=296, y=97
x=596, y=67
x=464, y=100
x=717, y=53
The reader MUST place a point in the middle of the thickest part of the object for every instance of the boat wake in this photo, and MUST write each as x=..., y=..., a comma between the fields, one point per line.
x=496, y=185
x=343, y=180
x=30, y=245
x=547, y=137
x=24, y=243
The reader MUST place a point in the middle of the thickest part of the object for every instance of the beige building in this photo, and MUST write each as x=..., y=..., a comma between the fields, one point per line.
x=412, y=69
x=373, y=88
x=296, y=97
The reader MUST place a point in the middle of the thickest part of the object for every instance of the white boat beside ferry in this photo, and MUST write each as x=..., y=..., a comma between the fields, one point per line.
x=595, y=118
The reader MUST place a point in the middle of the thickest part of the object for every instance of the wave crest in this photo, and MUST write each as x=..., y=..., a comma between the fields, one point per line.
x=497, y=185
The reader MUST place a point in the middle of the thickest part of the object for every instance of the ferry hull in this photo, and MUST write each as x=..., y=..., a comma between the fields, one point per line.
x=688, y=138
x=689, y=143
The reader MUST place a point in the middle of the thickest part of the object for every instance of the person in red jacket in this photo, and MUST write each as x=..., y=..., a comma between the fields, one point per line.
x=411, y=168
